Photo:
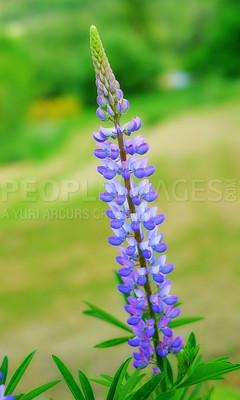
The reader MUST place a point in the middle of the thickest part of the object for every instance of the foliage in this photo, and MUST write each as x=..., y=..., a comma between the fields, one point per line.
x=16, y=378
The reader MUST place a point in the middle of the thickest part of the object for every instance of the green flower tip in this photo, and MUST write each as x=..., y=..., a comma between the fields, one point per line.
x=93, y=29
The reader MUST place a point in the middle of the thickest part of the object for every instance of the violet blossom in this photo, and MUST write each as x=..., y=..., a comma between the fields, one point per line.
x=135, y=224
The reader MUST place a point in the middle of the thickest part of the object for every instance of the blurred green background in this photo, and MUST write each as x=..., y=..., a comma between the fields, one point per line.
x=178, y=63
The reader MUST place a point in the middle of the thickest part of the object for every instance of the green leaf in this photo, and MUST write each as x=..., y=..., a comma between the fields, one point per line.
x=184, y=394
x=68, y=378
x=113, y=342
x=39, y=390
x=168, y=369
x=195, y=392
x=130, y=384
x=101, y=382
x=107, y=377
x=166, y=395
x=191, y=341
x=19, y=373
x=98, y=313
x=117, y=381
x=220, y=359
x=148, y=388
x=86, y=387
x=4, y=369
x=186, y=358
x=209, y=371
x=184, y=321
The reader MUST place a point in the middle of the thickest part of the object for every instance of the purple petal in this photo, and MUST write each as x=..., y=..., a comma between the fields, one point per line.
x=125, y=105
x=146, y=254
x=100, y=153
x=150, y=225
x=134, y=342
x=113, y=154
x=171, y=300
x=142, y=149
x=109, y=173
x=126, y=173
x=110, y=214
x=124, y=271
x=167, y=268
x=130, y=149
x=106, y=197
x=139, y=173
x=130, y=250
x=150, y=331
x=175, y=312
x=135, y=226
x=159, y=278
x=167, y=332
x=116, y=223
x=120, y=199
x=115, y=241
x=133, y=320
x=118, y=108
x=142, y=280
x=159, y=219
x=132, y=125
x=162, y=353
x=149, y=170
x=118, y=94
x=176, y=342
x=119, y=131
x=101, y=169
x=138, y=364
x=101, y=114
x=150, y=196
x=138, y=122
x=160, y=248
x=109, y=110
x=102, y=101
x=136, y=200
x=124, y=289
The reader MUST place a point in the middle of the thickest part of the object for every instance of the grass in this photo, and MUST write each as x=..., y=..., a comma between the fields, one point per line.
x=50, y=265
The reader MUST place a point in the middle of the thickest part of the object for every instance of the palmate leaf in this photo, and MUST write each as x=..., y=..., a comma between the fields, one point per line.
x=113, y=342
x=209, y=371
x=39, y=390
x=86, y=386
x=69, y=379
x=148, y=388
x=19, y=373
x=4, y=369
x=184, y=321
x=98, y=313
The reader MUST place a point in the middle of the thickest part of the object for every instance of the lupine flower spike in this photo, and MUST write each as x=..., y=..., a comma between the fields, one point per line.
x=134, y=223
x=2, y=390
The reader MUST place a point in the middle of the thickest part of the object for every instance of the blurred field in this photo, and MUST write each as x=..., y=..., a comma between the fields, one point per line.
x=49, y=266
x=178, y=64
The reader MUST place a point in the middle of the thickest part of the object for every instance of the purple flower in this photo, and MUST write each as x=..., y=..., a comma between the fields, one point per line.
x=135, y=224
x=2, y=390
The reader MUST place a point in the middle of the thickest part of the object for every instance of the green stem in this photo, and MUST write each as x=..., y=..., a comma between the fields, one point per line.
x=142, y=261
